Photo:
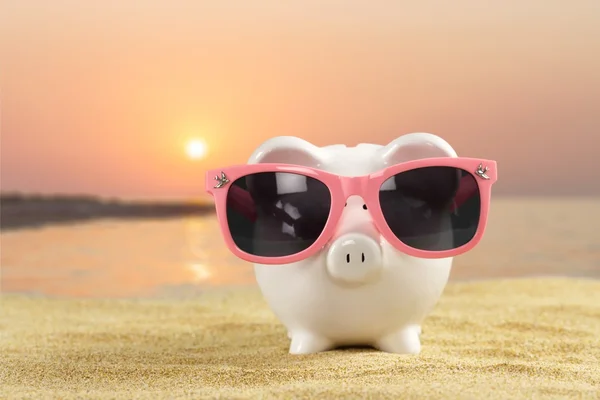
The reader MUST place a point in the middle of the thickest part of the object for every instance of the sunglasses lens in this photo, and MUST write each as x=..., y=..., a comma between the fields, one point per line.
x=275, y=214
x=432, y=208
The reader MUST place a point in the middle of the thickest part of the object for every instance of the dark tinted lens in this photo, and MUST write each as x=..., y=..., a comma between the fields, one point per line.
x=274, y=214
x=432, y=208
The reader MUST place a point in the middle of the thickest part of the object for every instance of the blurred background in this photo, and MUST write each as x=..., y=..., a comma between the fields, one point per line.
x=111, y=112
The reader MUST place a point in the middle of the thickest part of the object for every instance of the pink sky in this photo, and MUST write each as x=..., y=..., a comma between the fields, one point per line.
x=101, y=97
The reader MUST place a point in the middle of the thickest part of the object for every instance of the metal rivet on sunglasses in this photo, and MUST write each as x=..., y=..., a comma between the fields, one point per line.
x=481, y=171
x=221, y=180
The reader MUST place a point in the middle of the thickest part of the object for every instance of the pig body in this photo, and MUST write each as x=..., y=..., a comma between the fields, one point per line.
x=358, y=289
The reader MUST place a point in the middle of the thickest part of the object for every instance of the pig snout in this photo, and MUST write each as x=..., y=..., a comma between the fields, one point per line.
x=354, y=258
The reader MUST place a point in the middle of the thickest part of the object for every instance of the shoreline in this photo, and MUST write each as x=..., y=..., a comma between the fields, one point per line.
x=32, y=211
x=202, y=291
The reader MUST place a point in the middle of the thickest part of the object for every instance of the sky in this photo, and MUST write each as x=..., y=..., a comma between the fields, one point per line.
x=101, y=97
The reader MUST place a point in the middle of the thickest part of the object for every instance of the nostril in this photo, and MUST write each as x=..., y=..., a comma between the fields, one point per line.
x=347, y=258
x=363, y=257
x=364, y=206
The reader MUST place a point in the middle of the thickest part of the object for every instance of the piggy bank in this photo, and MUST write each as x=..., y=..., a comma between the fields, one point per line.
x=345, y=254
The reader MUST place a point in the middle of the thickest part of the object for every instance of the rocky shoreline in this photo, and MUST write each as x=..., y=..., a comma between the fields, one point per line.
x=28, y=211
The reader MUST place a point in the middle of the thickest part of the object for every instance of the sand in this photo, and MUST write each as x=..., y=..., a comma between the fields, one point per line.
x=535, y=338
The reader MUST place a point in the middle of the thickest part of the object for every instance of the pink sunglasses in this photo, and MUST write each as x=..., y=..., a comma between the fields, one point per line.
x=283, y=213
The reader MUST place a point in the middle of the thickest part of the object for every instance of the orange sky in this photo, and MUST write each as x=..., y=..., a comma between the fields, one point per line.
x=100, y=97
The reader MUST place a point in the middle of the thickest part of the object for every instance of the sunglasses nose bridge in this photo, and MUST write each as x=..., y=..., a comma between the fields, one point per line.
x=354, y=185
x=355, y=219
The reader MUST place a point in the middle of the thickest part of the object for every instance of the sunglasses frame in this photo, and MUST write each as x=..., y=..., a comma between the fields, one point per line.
x=219, y=181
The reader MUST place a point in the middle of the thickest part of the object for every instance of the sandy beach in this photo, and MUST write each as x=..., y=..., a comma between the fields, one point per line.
x=511, y=339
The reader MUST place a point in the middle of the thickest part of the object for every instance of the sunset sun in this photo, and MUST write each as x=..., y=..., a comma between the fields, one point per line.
x=196, y=149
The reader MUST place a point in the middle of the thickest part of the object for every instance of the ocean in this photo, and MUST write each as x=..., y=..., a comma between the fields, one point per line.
x=183, y=256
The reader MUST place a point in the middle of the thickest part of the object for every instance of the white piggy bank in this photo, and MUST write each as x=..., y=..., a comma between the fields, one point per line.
x=325, y=301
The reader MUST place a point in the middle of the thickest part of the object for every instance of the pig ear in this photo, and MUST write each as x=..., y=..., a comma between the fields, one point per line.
x=288, y=150
x=414, y=146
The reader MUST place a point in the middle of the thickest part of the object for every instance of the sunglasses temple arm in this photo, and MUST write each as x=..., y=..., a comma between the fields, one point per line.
x=241, y=201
